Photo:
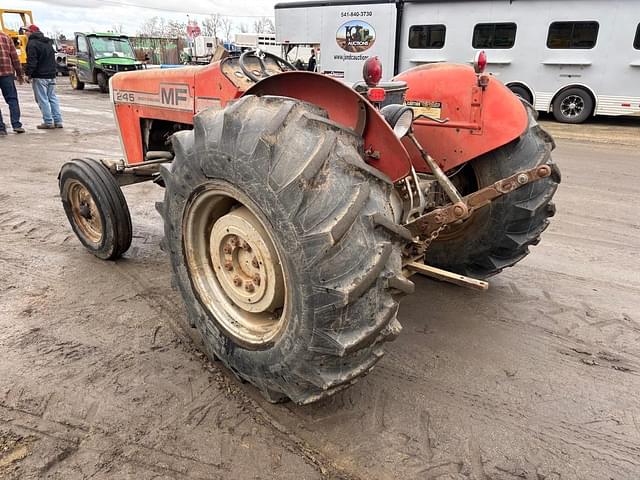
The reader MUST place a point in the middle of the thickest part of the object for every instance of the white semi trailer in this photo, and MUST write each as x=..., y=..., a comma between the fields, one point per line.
x=575, y=58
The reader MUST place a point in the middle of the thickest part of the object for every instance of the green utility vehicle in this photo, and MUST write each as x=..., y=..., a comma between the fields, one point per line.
x=98, y=57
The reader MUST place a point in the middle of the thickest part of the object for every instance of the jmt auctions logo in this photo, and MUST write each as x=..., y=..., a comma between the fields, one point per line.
x=355, y=36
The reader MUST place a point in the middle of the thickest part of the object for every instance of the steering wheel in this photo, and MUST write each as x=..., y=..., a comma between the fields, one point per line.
x=260, y=56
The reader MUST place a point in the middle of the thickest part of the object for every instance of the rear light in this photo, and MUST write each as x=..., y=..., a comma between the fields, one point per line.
x=376, y=94
x=372, y=71
x=480, y=62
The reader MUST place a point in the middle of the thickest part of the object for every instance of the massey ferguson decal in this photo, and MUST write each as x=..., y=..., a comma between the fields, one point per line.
x=176, y=96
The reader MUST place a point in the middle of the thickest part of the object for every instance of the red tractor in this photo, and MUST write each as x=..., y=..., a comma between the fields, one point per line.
x=297, y=208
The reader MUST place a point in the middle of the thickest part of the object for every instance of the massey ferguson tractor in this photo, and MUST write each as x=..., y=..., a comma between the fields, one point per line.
x=296, y=208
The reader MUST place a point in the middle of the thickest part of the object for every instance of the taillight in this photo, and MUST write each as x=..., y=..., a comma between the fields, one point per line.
x=372, y=71
x=376, y=94
x=480, y=62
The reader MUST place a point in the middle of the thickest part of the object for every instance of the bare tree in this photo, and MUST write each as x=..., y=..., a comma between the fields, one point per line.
x=264, y=25
x=227, y=26
x=211, y=25
x=152, y=27
x=117, y=28
x=244, y=28
x=175, y=29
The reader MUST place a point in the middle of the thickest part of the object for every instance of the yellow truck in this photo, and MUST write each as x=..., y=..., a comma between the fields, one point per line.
x=14, y=23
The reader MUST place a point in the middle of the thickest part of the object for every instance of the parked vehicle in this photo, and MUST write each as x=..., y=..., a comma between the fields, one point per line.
x=575, y=58
x=98, y=57
x=14, y=23
x=296, y=208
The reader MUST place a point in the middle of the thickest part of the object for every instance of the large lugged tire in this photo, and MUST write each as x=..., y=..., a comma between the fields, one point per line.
x=499, y=235
x=281, y=192
x=95, y=208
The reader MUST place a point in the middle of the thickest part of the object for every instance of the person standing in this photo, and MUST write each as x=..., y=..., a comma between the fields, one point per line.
x=312, y=61
x=42, y=70
x=10, y=69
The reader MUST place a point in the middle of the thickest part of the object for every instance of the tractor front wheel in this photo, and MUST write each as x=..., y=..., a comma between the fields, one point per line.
x=499, y=235
x=280, y=244
x=95, y=207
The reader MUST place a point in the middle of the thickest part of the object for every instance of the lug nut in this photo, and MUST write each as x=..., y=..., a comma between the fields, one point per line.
x=523, y=178
x=227, y=249
x=255, y=262
x=228, y=266
x=237, y=281
x=249, y=287
x=458, y=211
x=257, y=279
x=246, y=246
x=233, y=241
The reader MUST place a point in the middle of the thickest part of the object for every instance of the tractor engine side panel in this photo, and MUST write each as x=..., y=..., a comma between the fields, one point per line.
x=479, y=120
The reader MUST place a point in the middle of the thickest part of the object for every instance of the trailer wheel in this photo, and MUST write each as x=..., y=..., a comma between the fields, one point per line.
x=95, y=207
x=281, y=244
x=499, y=235
x=76, y=84
x=522, y=92
x=103, y=82
x=574, y=105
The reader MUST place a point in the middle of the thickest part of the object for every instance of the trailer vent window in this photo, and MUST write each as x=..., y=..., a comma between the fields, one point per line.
x=494, y=35
x=573, y=35
x=636, y=42
x=427, y=36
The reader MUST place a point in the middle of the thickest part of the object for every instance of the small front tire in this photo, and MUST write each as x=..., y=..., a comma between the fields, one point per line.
x=95, y=208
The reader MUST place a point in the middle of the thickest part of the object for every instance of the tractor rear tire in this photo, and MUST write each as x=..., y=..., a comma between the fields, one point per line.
x=103, y=82
x=499, y=235
x=95, y=207
x=323, y=234
x=76, y=84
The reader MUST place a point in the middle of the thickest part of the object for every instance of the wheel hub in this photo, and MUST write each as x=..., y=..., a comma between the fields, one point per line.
x=85, y=212
x=245, y=262
x=234, y=266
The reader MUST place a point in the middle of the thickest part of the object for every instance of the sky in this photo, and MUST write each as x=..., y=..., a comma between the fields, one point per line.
x=68, y=16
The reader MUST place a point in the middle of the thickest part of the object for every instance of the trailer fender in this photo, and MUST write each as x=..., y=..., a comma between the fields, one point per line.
x=383, y=150
x=477, y=119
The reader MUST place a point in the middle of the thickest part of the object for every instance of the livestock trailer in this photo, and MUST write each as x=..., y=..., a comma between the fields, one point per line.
x=575, y=58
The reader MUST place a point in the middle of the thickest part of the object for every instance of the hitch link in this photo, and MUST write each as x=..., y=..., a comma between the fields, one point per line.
x=425, y=225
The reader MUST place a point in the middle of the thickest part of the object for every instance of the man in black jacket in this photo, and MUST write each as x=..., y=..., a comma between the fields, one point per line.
x=42, y=69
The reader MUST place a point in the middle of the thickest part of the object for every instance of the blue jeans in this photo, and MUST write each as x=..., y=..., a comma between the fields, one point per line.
x=44, y=89
x=10, y=94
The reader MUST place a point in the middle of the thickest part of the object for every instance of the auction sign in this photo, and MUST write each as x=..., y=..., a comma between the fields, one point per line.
x=351, y=34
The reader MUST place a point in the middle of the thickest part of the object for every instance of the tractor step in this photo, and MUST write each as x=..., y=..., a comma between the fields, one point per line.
x=447, y=276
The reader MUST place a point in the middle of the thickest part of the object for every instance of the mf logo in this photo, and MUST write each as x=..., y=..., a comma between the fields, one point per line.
x=174, y=95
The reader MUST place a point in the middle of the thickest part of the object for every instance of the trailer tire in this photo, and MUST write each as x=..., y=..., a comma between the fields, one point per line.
x=522, y=92
x=76, y=84
x=300, y=178
x=574, y=105
x=95, y=207
x=103, y=82
x=499, y=235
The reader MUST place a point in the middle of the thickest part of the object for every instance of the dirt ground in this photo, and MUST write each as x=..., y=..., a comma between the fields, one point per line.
x=536, y=379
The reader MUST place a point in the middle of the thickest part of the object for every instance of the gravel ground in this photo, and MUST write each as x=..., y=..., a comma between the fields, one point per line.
x=536, y=379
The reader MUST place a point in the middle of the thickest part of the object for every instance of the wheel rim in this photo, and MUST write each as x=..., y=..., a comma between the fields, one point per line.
x=234, y=266
x=85, y=212
x=572, y=106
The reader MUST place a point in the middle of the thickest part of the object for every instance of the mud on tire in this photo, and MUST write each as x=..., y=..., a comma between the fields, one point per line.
x=499, y=235
x=330, y=218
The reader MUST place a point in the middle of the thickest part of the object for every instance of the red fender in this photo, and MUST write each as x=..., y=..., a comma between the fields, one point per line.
x=480, y=120
x=347, y=108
